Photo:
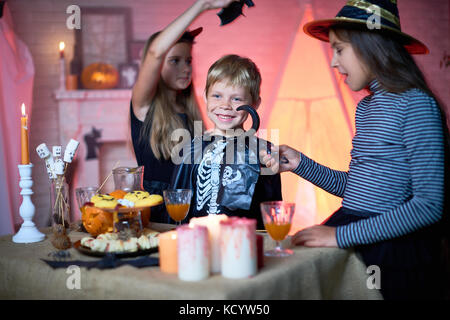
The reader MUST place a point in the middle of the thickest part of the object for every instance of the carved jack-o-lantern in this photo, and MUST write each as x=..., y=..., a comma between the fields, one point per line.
x=99, y=76
x=96, y=221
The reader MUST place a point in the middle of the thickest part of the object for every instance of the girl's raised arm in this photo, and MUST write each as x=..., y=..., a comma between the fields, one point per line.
x=150, y=70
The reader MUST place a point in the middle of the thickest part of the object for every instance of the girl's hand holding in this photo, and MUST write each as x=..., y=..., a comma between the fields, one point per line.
x=273, y=162
x=216, y=4
x=316, y=236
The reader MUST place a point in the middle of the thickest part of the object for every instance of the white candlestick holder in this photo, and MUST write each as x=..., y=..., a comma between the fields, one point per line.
x=28, y=232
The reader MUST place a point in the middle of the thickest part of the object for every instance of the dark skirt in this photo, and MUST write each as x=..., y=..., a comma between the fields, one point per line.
x=410, y=266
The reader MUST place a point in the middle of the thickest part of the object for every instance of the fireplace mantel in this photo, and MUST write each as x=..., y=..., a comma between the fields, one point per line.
x=82, y=111
x=93, y=94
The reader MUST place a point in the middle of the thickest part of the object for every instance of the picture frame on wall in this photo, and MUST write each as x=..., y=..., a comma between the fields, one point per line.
x=104, y=36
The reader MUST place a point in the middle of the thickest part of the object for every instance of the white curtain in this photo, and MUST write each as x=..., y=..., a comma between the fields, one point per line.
x=16, y=87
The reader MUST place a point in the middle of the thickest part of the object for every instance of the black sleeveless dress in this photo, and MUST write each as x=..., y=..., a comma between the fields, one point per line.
x=157, y=173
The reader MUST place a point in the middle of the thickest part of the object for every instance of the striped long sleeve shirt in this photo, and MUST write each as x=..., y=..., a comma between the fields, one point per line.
x=396, y=168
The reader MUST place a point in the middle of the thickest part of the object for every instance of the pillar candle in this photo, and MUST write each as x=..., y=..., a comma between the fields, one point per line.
x=168, y=256
x=238, y=247
x=193, y=253
x=212, y=222
x=25, y=156
x=72, y=82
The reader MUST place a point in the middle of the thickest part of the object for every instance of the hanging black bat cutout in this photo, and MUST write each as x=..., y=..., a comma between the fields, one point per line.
x=2, y=3
x=233, y=11
x=92, y=143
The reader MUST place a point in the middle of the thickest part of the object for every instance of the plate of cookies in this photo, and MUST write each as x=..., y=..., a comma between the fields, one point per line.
x=112, y=243
x=127, y=201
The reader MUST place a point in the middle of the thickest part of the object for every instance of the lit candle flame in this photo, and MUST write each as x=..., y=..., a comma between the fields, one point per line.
x=23, y=109
x=61, y=46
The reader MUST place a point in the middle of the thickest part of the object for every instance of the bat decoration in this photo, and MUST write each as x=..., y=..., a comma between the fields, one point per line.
x=233, y=11
x=253, y=114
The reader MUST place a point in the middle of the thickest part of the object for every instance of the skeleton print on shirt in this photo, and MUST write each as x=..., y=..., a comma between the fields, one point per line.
x=208, y=177
x=228, y=177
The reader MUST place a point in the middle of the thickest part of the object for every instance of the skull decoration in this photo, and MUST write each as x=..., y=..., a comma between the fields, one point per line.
x=59, y=167
x=57, y=151
x=44, y=153
x=71, y=148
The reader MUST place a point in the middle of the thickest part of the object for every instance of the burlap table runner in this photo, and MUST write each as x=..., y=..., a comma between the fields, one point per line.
x=312, y=273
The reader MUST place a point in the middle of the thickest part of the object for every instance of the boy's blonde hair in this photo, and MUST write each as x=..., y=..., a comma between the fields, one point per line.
x=239, y=71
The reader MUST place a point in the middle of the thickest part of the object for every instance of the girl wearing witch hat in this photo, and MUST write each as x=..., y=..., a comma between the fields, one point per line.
x=163, y=98
x=393, y=209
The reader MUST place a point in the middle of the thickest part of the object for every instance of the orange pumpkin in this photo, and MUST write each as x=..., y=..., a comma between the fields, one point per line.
x=99, y=76
x=96, y=221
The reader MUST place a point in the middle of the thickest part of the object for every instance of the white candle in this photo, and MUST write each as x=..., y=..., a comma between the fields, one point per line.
x=238, y=247
x=212, y=222
x=193, y=253
x=62, y=64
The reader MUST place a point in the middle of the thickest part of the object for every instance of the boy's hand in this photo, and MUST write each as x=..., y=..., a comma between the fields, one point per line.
x=316, y=236
x=273, y=162
x=216, y=4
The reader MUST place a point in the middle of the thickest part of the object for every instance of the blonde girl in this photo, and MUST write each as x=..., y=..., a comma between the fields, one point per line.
x=163, y=98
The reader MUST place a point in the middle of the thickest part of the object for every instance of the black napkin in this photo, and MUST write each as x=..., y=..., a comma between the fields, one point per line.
x=110, y=261
x=233, y=11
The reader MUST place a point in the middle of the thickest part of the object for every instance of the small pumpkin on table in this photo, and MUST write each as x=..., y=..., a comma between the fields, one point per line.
x=97, y=221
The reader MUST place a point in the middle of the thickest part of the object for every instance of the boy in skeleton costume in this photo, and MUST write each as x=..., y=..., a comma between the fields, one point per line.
x=222, y=167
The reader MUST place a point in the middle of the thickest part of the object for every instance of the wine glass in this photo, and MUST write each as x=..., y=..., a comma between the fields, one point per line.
x=277, y=217
x=84, y=194
x=177, y=202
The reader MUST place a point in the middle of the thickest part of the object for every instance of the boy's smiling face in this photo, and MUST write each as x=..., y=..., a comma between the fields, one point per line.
x=222, y=100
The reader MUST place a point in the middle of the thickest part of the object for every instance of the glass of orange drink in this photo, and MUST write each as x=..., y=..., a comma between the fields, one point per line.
x=277, y=218
x=177, y=203
x=84, y=195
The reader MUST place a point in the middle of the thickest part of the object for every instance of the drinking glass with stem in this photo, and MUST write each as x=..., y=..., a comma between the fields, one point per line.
x=177, y=203
x=277, y=218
